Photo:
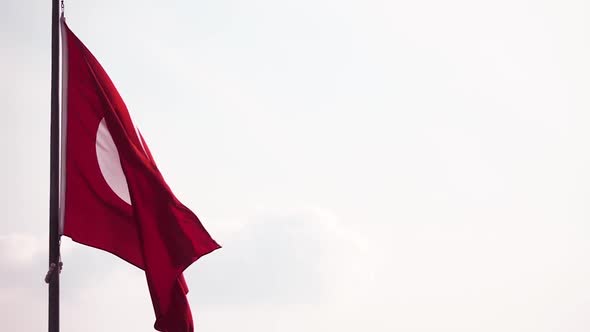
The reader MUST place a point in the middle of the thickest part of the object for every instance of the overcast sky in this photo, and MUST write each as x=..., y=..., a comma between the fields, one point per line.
x=366, y=165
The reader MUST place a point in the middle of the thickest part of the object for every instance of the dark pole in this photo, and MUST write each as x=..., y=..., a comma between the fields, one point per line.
x=54, y=264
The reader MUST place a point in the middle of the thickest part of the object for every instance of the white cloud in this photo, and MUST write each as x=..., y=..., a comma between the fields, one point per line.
x=19, y=249
x=280, y=263
x=22, y=274
x=282, y=258
x=286, y=269
x=446, y=143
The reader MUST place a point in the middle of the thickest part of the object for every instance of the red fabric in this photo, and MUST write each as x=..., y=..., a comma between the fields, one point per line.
x=156, y=232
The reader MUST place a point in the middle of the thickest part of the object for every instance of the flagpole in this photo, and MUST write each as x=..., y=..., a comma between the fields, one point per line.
x=54, y=256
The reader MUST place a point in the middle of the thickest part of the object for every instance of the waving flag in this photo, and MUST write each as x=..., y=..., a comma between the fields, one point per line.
x=113, y=196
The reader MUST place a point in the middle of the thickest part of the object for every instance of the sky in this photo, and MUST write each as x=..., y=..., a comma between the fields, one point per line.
x=371, y=165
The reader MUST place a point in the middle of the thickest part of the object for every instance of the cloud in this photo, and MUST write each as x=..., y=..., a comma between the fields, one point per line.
x=274, y=262
x=282, y=258
x=23, y=266
x=287, y=270
x=18, y=249
x=116, y=298
x=457, y=149
x=23, y=259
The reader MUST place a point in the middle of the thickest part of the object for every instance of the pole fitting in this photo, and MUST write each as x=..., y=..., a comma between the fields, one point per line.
x=51, y=271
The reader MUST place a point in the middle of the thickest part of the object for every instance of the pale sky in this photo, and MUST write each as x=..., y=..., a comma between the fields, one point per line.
x=369, y=165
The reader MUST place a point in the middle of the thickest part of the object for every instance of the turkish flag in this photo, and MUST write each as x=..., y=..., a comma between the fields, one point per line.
x=113, y=196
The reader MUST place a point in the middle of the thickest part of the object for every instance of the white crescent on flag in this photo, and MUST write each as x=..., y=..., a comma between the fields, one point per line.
x=110, y=163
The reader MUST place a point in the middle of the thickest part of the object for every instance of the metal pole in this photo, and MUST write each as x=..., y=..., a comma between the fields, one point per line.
x=54, y=256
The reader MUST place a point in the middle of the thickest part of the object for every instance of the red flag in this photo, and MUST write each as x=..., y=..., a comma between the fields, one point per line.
x=113, y=196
